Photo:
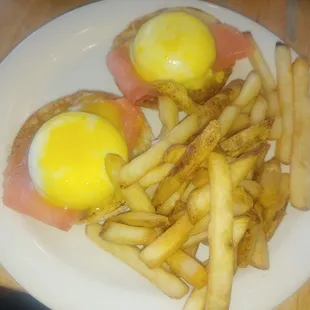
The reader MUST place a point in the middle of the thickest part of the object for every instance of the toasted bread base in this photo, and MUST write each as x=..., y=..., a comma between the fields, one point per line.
x=67, y=103
x=211, y=87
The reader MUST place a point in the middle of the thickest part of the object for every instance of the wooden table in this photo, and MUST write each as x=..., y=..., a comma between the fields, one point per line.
x=289, y=19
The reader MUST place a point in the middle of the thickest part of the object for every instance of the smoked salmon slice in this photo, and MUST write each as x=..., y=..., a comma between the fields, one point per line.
x=231, y=45
x=128, y=80
x=20, y=195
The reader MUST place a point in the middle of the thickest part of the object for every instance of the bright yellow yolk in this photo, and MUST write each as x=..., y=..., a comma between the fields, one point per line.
x=174, y=46
x=67, y=160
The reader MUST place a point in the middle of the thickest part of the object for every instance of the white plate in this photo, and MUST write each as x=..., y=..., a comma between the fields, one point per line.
x=65, y=270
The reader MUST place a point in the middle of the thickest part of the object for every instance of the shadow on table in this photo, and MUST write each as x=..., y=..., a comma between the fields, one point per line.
x=15, y=300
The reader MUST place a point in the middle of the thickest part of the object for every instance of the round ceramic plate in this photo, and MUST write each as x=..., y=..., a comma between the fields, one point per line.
x=65, y=270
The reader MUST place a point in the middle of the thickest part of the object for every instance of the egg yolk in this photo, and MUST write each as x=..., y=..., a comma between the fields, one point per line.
x=67, y=160
x=174, y=46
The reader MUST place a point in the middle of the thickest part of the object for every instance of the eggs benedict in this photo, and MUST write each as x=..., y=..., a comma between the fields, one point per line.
x=57, y=164
x=183, y=45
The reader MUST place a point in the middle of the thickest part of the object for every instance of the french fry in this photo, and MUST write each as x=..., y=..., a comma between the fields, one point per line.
x=269, y=84
x=156, y=175
x=113, y=165
x=195, y=239
x=273, y=103
x=228, y=117
x=248, y=108
x=174, y=153
x=150, y=191
x=274, y=209
x=195, y=153
x=201, y=226
x=189, y=189
x=272, y=165
x=215, y=105
x=186, y=267
x=221, y=261
x=250, y=90
x=196, y=300
x=165, y=281
x=242, y=201
x=245, y=139
x=167, y=244
x=241, y=167
x=125, y=234
x=300, y=165
x=199, y=204
x=272, y=225
x=240, y=225
x=137, y=200
x=139, y=166
x=259, y=65
x=102, y=215
x=201, y=177
x=246, y=245
x=178, y=211
x=275, y=189
x=170, y=204
x=276, y=129
x=241, y=122
x=141, y=219
x=259, y=110
x=178, y=94
x=260, y=161
x=168, y=114
x=285, y=94
x=259, y=257
x=252, y=187
x=192, y=250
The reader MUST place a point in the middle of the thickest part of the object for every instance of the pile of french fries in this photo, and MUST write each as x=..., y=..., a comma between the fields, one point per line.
x=207, y=182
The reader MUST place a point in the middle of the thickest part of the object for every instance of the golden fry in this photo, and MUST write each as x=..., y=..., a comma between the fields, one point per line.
x=196, y=300
x=150, y=191
x=201, y=177
x=192, y=251
x=167, y=244
x=165, y=281
x=188, y=268
x=156, y=175
x=195, y=239
x=252, y=187
x=201, y=226
x=242, y=201
x=168, y=114
x=260, y=255
x=300, y=165
x=141, y=219
x=260, y=65
x=244, y=140
x=221, y=261
x=137, y=199
x=241, y=122
x=259, y=110
x=228, y=117
x=285, y=94
x=250, y=90
x=174, y=153
x=195, y=153
x=125, y=234
x=199, y=204
x=139, y=166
